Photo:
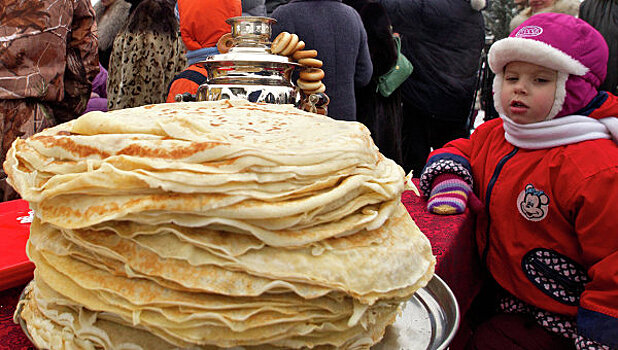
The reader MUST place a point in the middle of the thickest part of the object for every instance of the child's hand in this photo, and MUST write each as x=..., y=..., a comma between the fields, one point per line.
x=449, y=195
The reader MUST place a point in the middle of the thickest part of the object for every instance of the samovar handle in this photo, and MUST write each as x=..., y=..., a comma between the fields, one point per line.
x=185, y=97
x=317, y=103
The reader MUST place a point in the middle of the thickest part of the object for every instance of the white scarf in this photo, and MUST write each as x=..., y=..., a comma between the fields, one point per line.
x=560, y=131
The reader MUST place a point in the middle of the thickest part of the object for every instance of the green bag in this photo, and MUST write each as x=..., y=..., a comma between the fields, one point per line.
x=402, y=69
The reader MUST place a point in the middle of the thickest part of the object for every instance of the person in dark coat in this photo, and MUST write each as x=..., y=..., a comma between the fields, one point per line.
x=253, y=8
x=336, y=31
x=382, y=115
x=271, y=5
x=443, y=39
x=603, y=15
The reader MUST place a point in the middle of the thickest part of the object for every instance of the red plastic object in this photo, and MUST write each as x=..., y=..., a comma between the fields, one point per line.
x=15, y=267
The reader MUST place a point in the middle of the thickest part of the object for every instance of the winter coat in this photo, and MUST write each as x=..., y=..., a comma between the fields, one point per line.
x=547, y=232
x=382, y=115
x=603, y=15
x=253, y=8
x=98, y=98
x=187, y=81
x=110, y=20
x=200, y=38
x=570, y=7
x=147, y=53
x=336, y=31
x=271, y=5
x=443, y=40
x=202, y=23
x=47, y=63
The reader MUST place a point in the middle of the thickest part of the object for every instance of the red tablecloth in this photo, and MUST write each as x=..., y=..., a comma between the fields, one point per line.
x=15, y=269
x=450, y=236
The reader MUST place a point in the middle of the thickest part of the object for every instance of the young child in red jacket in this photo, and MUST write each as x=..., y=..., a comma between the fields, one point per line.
x=547, y=175
x=202, y=23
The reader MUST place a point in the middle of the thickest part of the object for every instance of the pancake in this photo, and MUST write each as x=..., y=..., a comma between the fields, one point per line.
x=213, y=225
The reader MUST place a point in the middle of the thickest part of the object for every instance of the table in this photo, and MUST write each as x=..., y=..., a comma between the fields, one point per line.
x=452, y=244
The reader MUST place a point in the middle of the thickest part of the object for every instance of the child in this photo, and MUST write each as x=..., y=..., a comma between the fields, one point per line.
x=546, y=172
x=202, y=23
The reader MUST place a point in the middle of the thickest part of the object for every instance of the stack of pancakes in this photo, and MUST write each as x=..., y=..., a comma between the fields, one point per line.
x=214, y=224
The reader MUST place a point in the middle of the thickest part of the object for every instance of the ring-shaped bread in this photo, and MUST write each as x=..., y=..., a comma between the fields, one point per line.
x=280, y=42
x=310, y=62
x=320, y=88
x=308, y=85
x=299, y=46
x=289, y=48
x=300, y=54
x=311, y=74
x=225, y=42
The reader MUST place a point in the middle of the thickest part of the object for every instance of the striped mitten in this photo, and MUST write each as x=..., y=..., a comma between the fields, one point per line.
x=449, y=195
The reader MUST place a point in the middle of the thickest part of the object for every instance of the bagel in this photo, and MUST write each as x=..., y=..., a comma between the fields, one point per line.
x=289, y=48
x=311, y=74
x=310, y=62
x=299, y=46
x=300, y=54
x=225, y=43
x=280, y=42
x=308, y=85
x=321, y=88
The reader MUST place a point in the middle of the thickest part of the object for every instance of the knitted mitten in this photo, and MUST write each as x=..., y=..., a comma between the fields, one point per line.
x=449, y=195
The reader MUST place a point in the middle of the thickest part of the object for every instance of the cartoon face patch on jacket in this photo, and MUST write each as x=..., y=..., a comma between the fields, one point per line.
x=532, y=203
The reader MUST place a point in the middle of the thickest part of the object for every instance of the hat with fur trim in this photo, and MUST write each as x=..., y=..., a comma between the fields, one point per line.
x=560, y=42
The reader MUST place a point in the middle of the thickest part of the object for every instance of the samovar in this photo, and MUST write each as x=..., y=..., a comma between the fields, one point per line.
x=249, y=71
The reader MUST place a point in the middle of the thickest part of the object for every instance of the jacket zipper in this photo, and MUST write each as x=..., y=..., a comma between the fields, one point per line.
x=553, y=274
x=490, y=187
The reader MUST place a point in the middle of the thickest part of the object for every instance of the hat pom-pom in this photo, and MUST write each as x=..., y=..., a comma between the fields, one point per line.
x=478, y=4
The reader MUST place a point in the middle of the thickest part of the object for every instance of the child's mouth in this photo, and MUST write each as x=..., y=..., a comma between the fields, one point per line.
x=518, y=107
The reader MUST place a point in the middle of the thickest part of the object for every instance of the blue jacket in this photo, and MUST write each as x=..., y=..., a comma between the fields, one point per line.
x=336, y=31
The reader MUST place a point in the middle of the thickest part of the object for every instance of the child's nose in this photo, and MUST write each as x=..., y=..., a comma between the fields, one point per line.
x=520, y=88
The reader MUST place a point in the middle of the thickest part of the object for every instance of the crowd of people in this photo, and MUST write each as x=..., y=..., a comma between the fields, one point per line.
x=544, y=169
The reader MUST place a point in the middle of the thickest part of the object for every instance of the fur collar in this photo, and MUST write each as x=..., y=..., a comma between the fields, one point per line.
x=110, y=21
x=570, y=7
x=478, y=4
x=154, y=16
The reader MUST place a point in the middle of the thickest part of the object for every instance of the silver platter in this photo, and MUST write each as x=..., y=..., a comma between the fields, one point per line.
x=428, y=321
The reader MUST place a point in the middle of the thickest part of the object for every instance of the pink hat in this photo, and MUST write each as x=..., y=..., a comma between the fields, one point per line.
x=560, y=42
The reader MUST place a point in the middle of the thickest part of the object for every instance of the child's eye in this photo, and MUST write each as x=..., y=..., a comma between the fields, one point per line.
x=511, y=78
x=542, y=80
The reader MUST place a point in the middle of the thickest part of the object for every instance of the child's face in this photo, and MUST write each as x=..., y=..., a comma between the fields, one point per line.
x=528, y=92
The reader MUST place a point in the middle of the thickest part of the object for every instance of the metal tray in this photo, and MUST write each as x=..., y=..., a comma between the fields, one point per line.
x=429, y=320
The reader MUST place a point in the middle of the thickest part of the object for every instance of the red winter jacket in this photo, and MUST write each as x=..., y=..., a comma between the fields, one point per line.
x=549, y=231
